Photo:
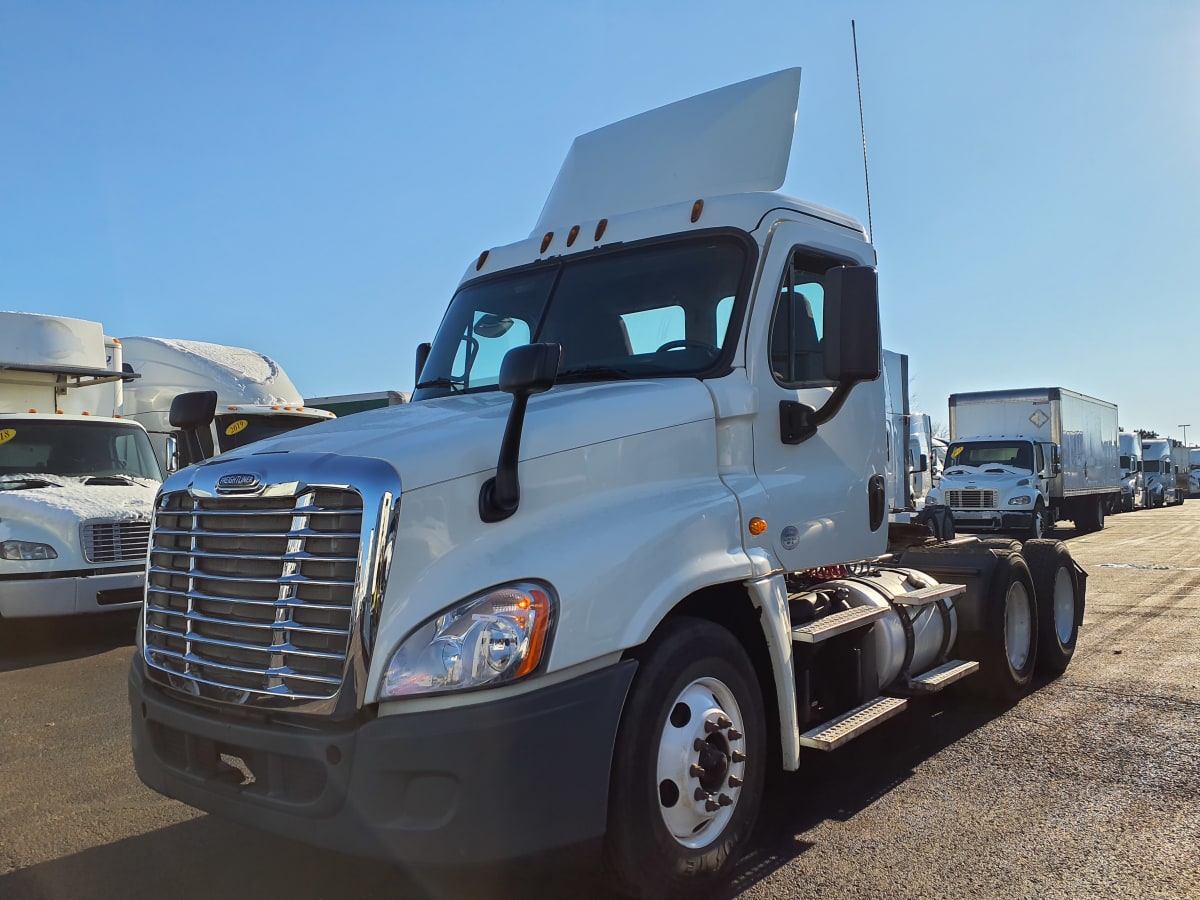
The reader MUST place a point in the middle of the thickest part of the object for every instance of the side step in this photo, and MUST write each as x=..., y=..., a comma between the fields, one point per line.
x=845, y=727
x=947, y=673
x=931, y=594
x=838, y=623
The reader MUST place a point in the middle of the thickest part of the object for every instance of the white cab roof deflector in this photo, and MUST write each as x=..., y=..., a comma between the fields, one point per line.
x=728, y=141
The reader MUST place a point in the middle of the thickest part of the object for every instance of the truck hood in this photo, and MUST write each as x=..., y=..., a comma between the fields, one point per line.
x=985, y=475
x=64, y=500
x=435, y=440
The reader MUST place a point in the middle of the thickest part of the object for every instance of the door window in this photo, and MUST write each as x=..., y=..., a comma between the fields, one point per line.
x=798, y=323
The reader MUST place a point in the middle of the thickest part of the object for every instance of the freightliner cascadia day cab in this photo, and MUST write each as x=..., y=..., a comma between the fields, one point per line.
x=77, y=484
x=1157, y=469
x=1133, y=488
x=621, y=555
x=255, y=399
x=1022, y=460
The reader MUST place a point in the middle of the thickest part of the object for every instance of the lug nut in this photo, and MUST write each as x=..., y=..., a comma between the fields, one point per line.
x=699, y=745
x=734, y=781
x=734, y=734
x=738, y=756
x=700, y=794
x=697, y=771
x=725, y=800
x=724, y=721
x=710, y=726
x=711, y=805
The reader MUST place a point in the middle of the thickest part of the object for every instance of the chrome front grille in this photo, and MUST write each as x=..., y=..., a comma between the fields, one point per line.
x=254, y=595
x=971, y=499
x=114, y=541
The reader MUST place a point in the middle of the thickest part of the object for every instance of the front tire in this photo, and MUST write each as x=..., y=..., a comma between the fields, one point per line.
x=688, y=766
x=1037, y=528
x=1059, y=603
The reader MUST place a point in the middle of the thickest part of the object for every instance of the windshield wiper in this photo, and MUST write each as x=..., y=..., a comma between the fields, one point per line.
x=594, y=373
x=448, y=383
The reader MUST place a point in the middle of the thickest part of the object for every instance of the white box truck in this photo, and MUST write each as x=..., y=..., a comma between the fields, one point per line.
x=1022, y=460
x=77, y=484
x=1133, y=488
x=255, y=398
x=619, y=557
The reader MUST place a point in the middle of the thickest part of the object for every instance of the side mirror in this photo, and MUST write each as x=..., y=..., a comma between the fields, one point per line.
x=525, y=371
x=172, y=454
x=1055, y=461
x=924, y=463
x=423, y=351
x=190, y=413
x=852, y=336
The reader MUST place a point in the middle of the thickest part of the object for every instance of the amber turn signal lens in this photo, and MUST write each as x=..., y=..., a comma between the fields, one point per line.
x=697, y=209
x=757, y=525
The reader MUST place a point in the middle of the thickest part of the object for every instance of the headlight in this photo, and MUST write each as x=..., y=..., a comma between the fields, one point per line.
x=495, y=638
x=26, y=550
x=1019, y=501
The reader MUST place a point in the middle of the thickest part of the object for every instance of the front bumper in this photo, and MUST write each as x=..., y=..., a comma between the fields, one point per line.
x=992, y=520
x=483, y=783
x=68, y=593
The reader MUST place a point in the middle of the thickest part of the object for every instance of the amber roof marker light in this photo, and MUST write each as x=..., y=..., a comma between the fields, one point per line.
x=697, y=210
x=600, y=228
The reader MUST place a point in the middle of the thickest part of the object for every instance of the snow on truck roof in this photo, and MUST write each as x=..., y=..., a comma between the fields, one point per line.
x=237, y=374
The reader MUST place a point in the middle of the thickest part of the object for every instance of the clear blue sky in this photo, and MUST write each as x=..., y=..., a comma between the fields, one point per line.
x=312, y=179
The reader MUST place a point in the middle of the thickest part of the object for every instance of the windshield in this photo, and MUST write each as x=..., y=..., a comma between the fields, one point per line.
x=658, y=310
x=239, y=429
x=1151, y=465
x=77, y=449
x=1015, y=454
x=1125, y=463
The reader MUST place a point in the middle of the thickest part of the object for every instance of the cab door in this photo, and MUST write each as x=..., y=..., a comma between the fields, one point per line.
x=824, y=493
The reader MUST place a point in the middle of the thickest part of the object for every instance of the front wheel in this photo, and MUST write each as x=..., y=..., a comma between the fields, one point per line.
x=1037, y=527
x=688, y=766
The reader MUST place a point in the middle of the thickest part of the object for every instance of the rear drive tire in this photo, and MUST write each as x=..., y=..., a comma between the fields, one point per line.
x=1059, y=603
x=688, y=765
x=1007, y=647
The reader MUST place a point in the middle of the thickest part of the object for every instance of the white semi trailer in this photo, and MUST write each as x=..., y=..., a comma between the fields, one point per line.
x=619, y=557
x=1022, y=460
x=255, y=398
x=77, y=485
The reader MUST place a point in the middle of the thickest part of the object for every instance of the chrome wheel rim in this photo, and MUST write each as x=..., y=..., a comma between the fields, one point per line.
x=701, y=762
x=1018, y=626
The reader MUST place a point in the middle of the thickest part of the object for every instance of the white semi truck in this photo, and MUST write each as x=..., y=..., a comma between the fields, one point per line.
x=1133, y=488
x=1022, y=460
x=621, y=555
x=255, y=398
x=1159, y=472
x=1181, y=464
x=77, y=485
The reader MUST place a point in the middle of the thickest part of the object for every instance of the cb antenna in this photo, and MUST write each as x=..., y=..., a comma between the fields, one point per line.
x=862, y=124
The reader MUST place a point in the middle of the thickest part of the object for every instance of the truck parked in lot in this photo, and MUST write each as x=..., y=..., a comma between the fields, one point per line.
x=1181, y=464
x=1194, y=471
x=1158, y=471
x=1133, y=487
x=1022, y=460
x=621, y=555
x=348, y=404
x=255, y=398
x=77, y=484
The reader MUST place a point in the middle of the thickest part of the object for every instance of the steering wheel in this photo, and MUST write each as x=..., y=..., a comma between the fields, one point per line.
x=685, y=344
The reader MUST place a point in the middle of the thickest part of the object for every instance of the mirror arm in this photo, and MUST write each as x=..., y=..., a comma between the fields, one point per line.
x=799, y=421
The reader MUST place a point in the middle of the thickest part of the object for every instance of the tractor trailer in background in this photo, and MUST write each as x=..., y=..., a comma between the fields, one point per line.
x=255, y=399
x=348, y=404
x=1181, y=464
x=625, y=552
x=1022, y=460
x=1133, y=487
x=77, y=483
x=1159, y=472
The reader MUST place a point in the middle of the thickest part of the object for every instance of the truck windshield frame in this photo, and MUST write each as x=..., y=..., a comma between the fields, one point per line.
x=665, y=308
x=75, y=449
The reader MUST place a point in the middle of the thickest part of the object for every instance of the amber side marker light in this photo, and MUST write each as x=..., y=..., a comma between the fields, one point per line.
x=540, y=604
x=697, y=209
x=757, y=525
x=546, y=241
x=482, y=259
x=572, y=234
x=600, y=227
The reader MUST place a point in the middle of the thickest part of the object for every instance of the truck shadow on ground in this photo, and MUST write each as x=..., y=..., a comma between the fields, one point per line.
x=209, y=857
x=25, y=643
